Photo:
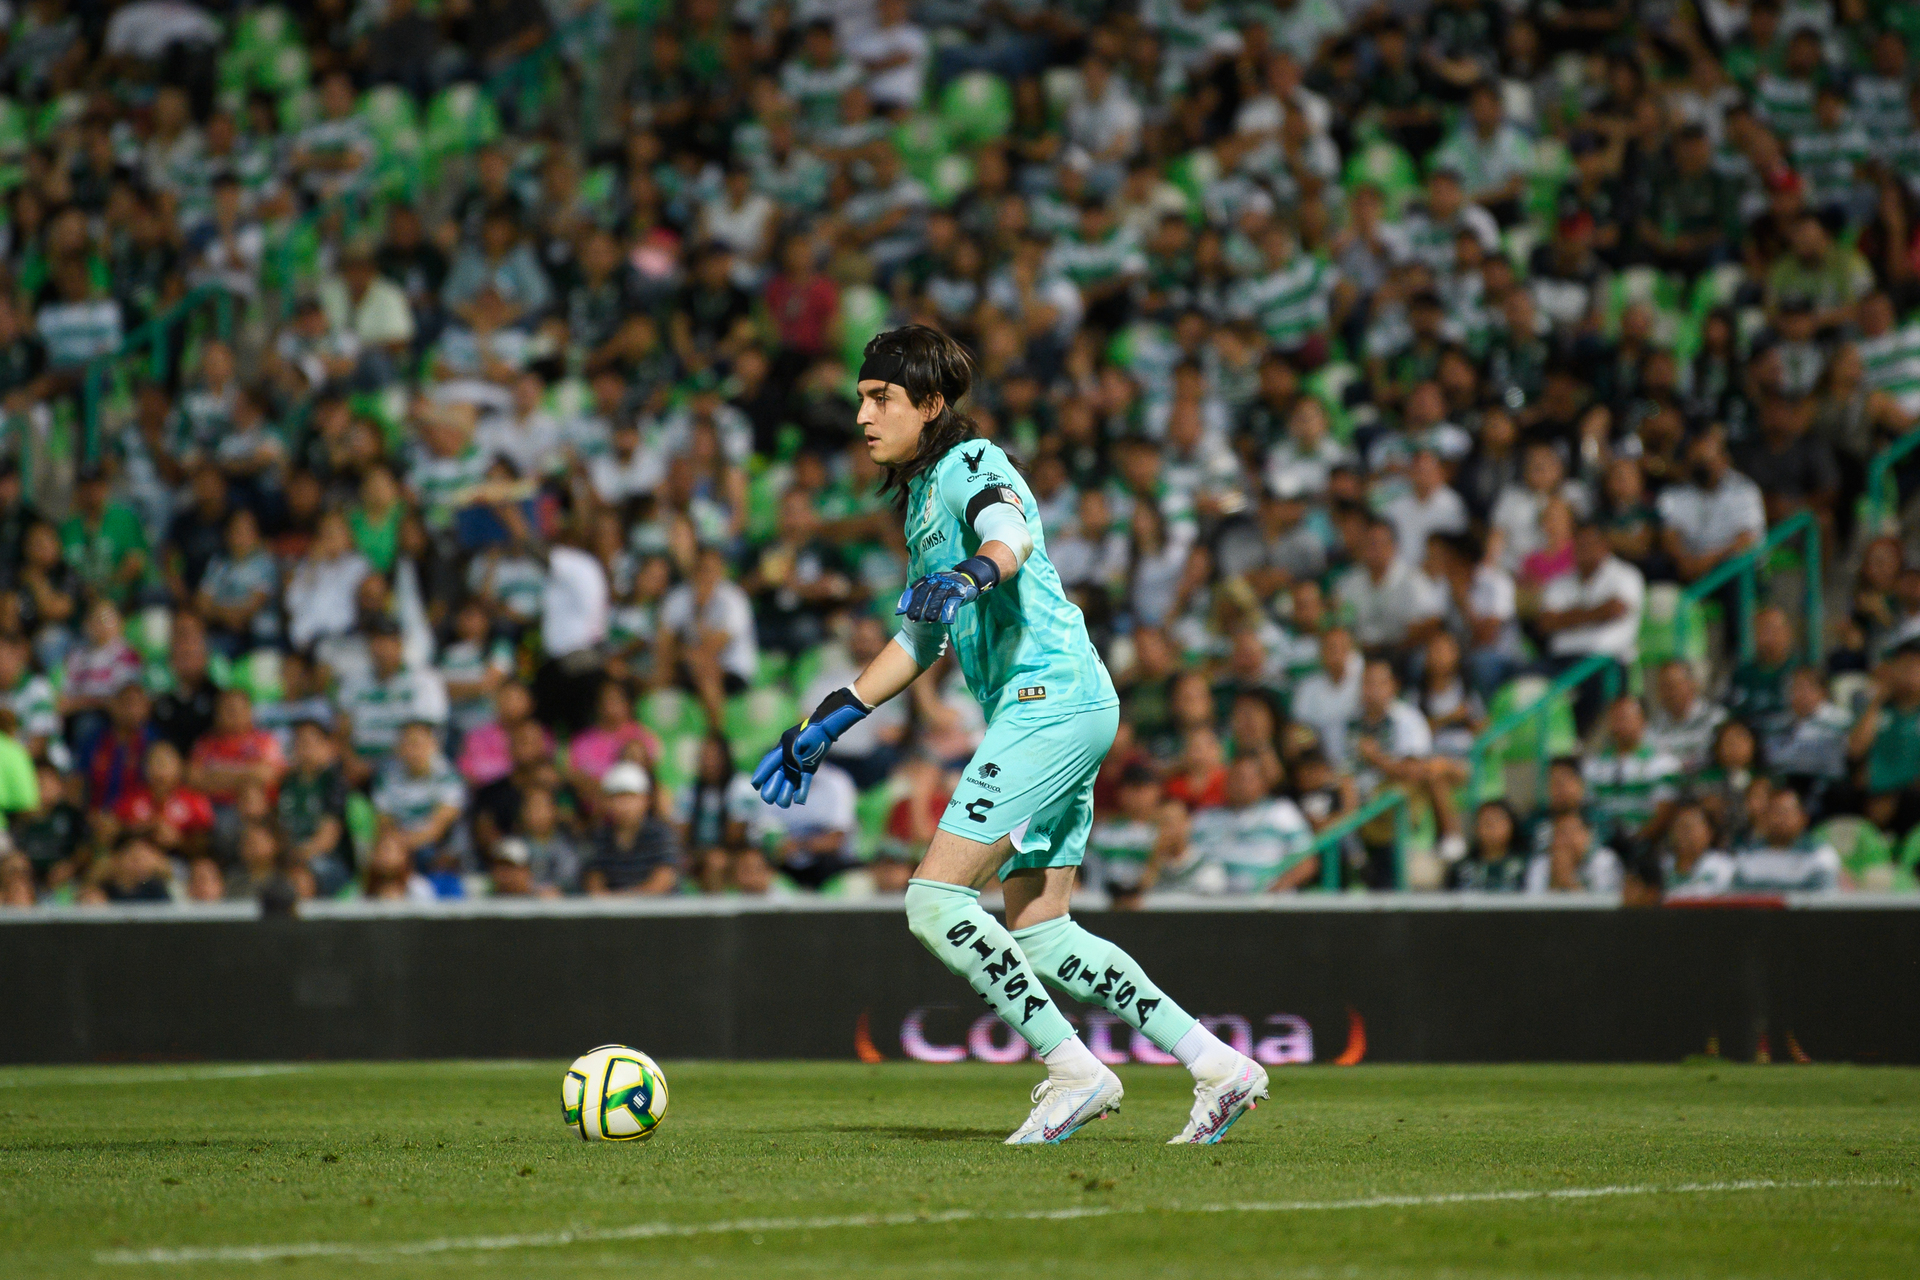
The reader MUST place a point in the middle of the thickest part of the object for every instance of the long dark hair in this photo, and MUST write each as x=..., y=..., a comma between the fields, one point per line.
x=927, y=363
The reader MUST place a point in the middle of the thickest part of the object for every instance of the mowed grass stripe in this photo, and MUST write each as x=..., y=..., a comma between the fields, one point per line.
x=741, y=1226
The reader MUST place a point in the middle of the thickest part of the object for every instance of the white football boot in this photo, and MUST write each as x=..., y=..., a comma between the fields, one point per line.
x=1062, y=1106
x=1218, y=1103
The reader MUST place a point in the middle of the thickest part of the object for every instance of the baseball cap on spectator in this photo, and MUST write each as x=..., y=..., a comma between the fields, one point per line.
x=625, y=779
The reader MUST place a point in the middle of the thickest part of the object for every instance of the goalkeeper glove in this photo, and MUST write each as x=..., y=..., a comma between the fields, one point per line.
x=938, y=596
x=785, y=774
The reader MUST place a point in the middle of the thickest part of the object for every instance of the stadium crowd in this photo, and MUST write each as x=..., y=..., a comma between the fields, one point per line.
x=430, y=467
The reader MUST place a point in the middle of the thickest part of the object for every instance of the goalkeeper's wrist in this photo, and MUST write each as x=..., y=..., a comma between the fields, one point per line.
x=984, y=572
x=839, y=711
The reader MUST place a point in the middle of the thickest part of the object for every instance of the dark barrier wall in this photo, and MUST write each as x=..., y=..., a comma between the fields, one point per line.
x=1411, y=986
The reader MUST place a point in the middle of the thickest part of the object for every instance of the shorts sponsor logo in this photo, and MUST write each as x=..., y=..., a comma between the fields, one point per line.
x=1032, y=693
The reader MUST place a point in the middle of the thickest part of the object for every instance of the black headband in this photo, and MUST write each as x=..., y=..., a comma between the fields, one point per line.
x=884, y=366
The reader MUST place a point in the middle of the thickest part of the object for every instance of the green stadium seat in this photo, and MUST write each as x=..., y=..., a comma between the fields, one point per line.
x=13, y=129
x=461, y=118
x=806, y=666
x=1387, y=166
x=754, y=721
x=922, y=141
x=871, y=809
x=1865, y=852
x=976, y=107
x=288, y=70
x=671, y=711
x=864, y=311
x=679, y=760
x=1906, y=871
x=1552, y=168
x=1671, y=627
x=363, y=824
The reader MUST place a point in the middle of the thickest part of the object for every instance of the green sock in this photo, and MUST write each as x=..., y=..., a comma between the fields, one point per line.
x=949, y=922
x=1092, y=969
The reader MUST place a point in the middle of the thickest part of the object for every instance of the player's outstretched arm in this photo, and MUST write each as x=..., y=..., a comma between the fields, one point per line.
x=785, y=774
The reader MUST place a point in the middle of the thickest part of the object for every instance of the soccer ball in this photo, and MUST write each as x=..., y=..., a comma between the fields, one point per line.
x=615, y=1093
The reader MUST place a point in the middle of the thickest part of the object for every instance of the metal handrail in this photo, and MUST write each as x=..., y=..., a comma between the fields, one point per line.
x=1743, y=569
x=1883, y=502
x=155, y=334
x=1329, y=841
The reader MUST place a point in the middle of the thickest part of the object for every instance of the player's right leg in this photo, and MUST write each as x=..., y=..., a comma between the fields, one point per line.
x=943, y=910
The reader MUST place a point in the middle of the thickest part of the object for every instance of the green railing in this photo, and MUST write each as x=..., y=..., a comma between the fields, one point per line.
x=1326, y=845
x=1743, y=570
x=1881, y=503
x=154, y=341
x=1593, y=666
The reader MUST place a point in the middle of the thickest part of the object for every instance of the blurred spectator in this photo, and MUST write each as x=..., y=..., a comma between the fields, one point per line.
x=1494, y=862
x=1462, y=338
x=634, y=851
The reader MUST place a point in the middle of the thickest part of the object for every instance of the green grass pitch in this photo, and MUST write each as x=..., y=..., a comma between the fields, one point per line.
x=817, y=1169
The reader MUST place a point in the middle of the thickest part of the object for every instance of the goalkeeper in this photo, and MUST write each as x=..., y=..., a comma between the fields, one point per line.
x=981, y=582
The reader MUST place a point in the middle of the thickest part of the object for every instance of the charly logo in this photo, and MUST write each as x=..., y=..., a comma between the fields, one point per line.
x=977, y=809
x=1278, y=1040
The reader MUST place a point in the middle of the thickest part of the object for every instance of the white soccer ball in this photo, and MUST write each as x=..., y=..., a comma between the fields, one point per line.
x=614, y=1093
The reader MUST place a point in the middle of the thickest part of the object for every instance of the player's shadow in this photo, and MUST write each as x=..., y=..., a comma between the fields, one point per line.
x=925, y=1133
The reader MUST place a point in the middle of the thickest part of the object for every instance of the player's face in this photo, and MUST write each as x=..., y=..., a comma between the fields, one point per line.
x=891, y=422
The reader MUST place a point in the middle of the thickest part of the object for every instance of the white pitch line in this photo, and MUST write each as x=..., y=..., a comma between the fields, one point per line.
x=144, y=1075
x=743, y=1226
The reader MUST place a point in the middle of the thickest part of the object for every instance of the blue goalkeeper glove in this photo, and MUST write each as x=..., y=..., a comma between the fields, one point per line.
x=785, y=774
x=938, y=596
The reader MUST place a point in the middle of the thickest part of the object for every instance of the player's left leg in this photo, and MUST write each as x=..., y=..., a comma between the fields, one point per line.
x=1093, y=970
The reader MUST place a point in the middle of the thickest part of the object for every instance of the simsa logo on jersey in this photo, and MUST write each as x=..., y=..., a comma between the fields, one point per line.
x=940, y=1033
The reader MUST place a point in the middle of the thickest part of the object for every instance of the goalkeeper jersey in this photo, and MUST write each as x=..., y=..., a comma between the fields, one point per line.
x=1022, y=643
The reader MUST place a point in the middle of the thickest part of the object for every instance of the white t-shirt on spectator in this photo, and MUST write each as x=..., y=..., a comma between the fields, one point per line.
x=1383, y=611
x=1615, y=579
x=146, y=28
x=896, y=86
x=574, y=607
x=320, y=598
x=616, y=479
x=829, y=807
x=728, y=611
x=1415, y=519
x=1325, y=705
x=1600, y=871
x=531, y=444
x=1709, y=519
